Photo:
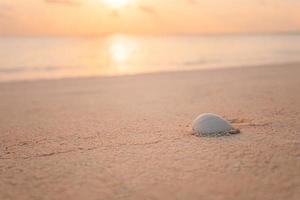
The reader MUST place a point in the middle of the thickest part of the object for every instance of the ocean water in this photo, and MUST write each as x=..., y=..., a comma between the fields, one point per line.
x=26, y=58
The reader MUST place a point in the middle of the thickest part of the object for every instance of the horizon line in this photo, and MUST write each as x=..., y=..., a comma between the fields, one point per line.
x=152, y=34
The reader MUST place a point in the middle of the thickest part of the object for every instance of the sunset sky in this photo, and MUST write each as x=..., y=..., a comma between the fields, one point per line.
x=96, y=17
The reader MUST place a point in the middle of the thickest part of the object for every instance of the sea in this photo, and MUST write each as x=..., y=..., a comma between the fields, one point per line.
x=35, y=58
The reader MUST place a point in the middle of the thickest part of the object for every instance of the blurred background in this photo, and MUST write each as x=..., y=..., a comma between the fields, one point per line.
x=46, y=39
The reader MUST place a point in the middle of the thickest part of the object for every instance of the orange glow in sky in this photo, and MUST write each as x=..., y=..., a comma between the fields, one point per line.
x=116, y=3
x=98, y=17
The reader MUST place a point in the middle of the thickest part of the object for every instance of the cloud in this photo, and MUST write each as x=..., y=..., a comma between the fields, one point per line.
x=193, y=2
x=115, y=14
x=63, y=2
x=5, y=10
x=147, y=9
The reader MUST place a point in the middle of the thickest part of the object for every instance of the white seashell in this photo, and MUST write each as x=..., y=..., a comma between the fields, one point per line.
x=209, y=124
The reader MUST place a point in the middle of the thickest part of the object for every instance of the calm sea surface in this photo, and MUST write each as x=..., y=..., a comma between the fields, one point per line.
x=46, y=58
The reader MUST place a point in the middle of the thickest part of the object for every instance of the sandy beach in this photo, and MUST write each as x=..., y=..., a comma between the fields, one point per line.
x=130, y=137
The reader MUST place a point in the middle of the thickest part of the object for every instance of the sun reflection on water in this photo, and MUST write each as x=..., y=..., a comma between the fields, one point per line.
x=121, y=52
x=40, y=58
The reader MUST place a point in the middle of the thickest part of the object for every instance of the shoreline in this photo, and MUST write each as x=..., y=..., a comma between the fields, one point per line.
x=175, y=71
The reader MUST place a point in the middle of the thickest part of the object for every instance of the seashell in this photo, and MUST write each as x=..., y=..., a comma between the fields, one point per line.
x=209, y=124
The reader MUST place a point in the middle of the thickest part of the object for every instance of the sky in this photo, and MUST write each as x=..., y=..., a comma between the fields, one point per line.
x=98, y=17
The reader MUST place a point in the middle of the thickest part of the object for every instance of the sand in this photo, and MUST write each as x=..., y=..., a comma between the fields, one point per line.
x=130, y=137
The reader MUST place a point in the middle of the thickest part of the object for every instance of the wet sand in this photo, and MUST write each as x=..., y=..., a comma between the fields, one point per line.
x=130, y=137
